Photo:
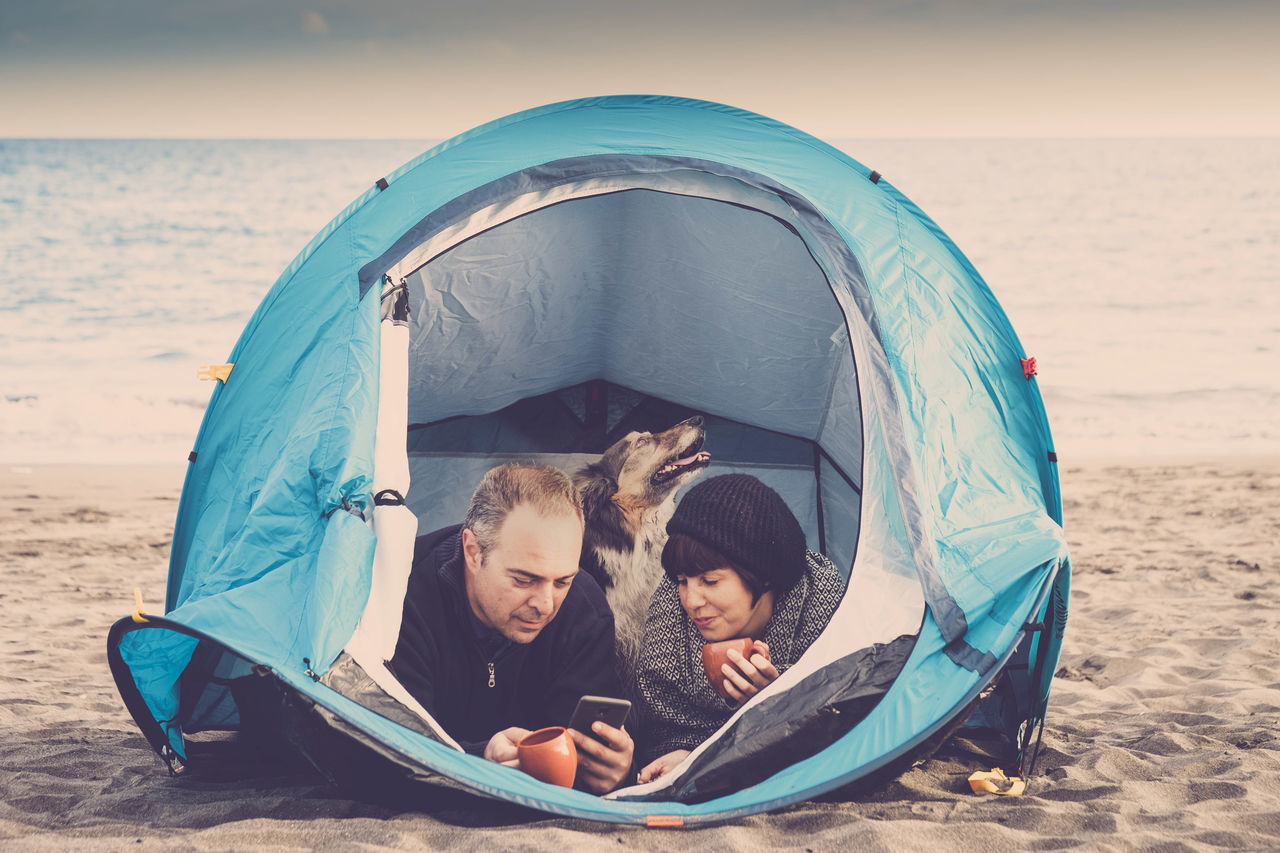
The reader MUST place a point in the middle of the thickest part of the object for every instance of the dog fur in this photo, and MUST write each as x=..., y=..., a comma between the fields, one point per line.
x=627, y=498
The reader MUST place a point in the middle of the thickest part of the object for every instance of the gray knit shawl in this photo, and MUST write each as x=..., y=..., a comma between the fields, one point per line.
x=678, y=707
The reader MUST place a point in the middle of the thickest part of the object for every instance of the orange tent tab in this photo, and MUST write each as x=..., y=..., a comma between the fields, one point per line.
x=664, y=820
x=219, y=372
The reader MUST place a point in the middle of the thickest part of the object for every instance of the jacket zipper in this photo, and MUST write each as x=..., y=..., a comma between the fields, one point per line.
x=493, y=674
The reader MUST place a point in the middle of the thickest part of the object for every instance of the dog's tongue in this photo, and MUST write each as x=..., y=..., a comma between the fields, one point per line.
x=689, y=460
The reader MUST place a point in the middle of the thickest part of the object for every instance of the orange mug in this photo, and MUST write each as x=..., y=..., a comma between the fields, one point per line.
x=716, y=655
x=550, y=755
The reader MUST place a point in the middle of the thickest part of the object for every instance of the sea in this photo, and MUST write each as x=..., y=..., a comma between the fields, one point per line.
x=1142, y=274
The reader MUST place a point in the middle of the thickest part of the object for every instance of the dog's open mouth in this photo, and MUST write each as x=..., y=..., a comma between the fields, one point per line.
x=691, y=458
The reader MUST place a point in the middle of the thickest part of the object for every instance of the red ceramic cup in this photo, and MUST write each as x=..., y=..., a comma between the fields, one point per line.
x=550, y=755
x=716, y=655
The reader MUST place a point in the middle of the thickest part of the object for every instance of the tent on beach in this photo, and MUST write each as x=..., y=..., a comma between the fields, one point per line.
x=534, y=288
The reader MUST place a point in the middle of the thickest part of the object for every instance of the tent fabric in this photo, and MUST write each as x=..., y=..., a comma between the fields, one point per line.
x=645, y=256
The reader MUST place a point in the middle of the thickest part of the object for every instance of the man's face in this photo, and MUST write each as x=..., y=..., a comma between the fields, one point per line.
x=518, y=587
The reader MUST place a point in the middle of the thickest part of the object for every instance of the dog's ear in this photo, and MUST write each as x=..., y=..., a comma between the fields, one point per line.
x=596, y=485
x=607, y=525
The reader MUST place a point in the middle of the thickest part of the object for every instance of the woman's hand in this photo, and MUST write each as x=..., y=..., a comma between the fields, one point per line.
x=745, y=678
x=662, y=766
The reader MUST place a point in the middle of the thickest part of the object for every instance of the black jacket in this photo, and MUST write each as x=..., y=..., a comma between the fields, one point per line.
x=439, y=659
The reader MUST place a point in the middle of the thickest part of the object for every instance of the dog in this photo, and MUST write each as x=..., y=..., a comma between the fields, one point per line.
x=627, y=498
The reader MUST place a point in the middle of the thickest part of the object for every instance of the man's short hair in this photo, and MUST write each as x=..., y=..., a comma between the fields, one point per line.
x=547, y=490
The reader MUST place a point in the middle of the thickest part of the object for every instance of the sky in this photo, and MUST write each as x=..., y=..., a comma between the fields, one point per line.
x=424, y=70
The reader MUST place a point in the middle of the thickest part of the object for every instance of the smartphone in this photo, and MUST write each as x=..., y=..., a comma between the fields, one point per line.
x=611, y=712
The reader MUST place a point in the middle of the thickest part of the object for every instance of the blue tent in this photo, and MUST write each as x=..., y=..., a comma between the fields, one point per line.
x=569, y=272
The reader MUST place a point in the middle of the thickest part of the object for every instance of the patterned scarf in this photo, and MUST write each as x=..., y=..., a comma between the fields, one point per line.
x=678, y=708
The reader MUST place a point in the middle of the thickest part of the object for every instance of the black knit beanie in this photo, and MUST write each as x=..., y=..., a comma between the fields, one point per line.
x=749, y=523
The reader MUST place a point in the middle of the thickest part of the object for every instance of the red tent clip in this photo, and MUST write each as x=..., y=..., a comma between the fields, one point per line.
x=1028, y=367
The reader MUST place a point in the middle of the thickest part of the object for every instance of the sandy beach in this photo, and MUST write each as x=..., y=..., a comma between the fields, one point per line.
x=1163, y=731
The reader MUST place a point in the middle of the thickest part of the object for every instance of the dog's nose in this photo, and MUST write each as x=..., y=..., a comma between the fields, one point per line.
x=695, y=421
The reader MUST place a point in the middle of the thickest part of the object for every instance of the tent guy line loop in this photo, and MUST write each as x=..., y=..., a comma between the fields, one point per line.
x=139, y=615
x=349, y=507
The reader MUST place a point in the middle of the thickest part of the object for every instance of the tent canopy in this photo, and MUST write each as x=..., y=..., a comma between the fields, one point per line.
x=584, y=268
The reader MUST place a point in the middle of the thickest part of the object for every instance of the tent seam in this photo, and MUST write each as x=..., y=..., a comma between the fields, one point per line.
x=321, y=501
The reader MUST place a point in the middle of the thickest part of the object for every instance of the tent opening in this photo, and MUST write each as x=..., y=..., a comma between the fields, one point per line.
x=545, y=328
x=650, y=302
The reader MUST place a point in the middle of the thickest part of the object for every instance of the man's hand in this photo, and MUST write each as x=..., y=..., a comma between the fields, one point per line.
x=660, y=767
x=601, y=766
x=502, y=746
x=745, y=678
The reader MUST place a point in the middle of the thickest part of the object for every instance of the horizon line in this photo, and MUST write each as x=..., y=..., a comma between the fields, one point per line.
x=911, y=137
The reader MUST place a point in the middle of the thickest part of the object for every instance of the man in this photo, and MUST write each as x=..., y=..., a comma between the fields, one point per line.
x=501, y=634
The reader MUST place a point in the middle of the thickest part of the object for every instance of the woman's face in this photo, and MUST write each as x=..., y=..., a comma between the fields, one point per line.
x=720, y=606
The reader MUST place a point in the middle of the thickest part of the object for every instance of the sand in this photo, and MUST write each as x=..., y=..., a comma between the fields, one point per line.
x=1163, y=731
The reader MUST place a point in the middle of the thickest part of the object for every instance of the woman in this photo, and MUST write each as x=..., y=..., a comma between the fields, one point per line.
x=736, y=566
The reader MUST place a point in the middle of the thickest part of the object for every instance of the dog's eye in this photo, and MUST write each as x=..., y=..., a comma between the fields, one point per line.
x=642, y=441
